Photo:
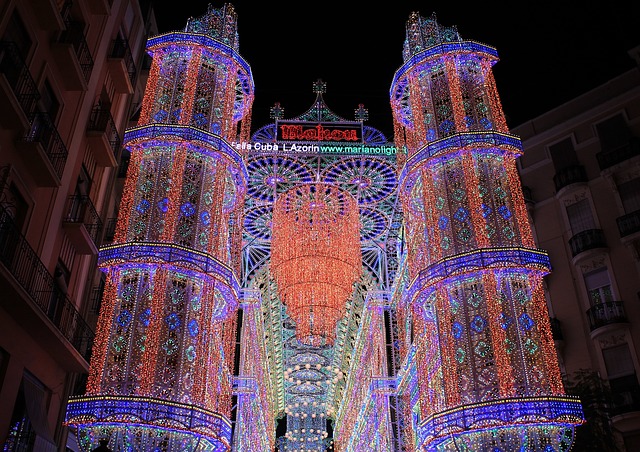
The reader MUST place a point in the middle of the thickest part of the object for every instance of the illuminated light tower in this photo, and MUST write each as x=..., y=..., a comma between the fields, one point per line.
x=161, y=370
x=487, y=368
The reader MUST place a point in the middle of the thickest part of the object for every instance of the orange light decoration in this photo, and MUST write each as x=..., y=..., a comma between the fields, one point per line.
x=316, y=257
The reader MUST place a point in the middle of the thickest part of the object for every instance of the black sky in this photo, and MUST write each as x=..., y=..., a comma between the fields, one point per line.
x=550, y=52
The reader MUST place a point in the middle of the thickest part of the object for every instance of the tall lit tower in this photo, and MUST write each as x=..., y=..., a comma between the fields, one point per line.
x=161, y=371
x=487, y=372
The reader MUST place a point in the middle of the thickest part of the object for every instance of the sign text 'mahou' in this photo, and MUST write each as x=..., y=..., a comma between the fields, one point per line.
x=325, y=131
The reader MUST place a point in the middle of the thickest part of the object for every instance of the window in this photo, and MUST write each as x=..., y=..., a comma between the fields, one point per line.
x=48, y=101
x=625, y=390
x=21, y=435
x=16, y=207
x=598, y=286
x=618, y=362
x=563, y=155
x=632, y=441
x=580, y=217
x=613, y=133
x=84, y=182
x=630, y=195
x=98, y=293
x=57, y=300
x=125, y=159
x=17, y=33
x=4, y=362
x=29, y=428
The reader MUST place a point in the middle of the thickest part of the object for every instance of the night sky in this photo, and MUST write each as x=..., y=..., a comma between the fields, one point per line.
x=549, y=52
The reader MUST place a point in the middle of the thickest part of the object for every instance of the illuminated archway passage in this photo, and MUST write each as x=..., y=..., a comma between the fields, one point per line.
x=315, y=257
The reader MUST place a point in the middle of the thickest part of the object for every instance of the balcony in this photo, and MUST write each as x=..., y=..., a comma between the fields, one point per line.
x=607, y=313
x=122, y=67
x=32, y=297
x=103, y=137
x=629, y=224
x=568, y=176
x=18, y=91
x=82, y=224
x=587, y=240
x=73, y=58
x=44, y=151
x=610, y=157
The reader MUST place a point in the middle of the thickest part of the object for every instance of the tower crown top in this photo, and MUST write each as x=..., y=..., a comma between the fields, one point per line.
x=423, y=33
x=218, y=23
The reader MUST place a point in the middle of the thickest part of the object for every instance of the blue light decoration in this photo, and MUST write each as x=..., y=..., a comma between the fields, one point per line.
x=138, y=423
x=444, y=343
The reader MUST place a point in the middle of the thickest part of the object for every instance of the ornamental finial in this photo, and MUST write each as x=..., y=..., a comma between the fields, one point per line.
x=276, y=112
x=362, y=114
x=319, y=87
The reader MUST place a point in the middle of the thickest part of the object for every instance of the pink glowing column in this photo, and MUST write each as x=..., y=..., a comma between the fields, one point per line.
x=161, y=371
x=486, y=359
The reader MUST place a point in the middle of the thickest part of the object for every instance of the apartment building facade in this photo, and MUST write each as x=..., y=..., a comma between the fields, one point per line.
x=71, y=74
x=581, y=176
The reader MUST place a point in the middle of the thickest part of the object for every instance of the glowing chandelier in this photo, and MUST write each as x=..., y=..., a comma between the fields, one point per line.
x=315, y=257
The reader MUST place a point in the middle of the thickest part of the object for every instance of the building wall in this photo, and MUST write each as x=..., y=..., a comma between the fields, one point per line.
x=583, y=179
x=48, y=242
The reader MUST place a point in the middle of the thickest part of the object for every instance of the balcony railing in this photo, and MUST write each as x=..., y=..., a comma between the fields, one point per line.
x=80, y=210
x=120, y=49
x=74, y=35
x=606, y=313
x=19, y=78
x=31, y=274
x=608, y=158
x=44, y=132
x=629, y=223
x=569, y=175
x=587, y=240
